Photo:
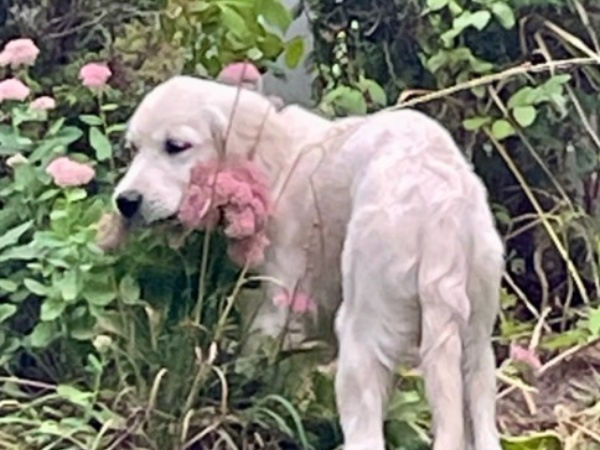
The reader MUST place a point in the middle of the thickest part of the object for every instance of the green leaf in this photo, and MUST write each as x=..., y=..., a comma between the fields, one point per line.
x=51, y=309
x=55, y=127
x=233, y=21
x=557, y=81
x=593, y=322
x=447, y=37
x=35, y=287
x=129, y=289
x=275, y=14
x=294, y=51
x=8, y=285
x=436, y=5
x=42, y=334
x=98, y=289
x=69, y=286
x=347, y=100
x=6, y=311
x=475, y=123
x=455, y=8
x=91, y=120
x=74, y=395
x=505, y=15
x=116, y=128
x=20, y=253
x=524, y=96
x=110, y=107
x=524, y=115
x=12, y=236
x=75, y=195
x=544, y=440
x=501, y=129
x=375, y=92
x=100, y=144
x=271, y=45
x=478, y=20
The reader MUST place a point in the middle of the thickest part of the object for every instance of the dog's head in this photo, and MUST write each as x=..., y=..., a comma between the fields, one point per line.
x=179, y=124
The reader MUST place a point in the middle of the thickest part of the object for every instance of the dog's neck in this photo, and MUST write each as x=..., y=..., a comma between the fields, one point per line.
x=274, y=139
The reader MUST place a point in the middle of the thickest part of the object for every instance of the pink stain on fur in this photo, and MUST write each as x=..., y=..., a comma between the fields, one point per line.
x=298, y=303
x=234, y=196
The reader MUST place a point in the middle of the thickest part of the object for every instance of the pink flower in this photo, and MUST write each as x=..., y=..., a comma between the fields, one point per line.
x=299, y=303
x=19, y=52
x=235, y=196
x=43, y=103
x=94, y=75
x=13, y=89
x=249, y=250
x=66, y=172
x=243, y=74
x=525, y=355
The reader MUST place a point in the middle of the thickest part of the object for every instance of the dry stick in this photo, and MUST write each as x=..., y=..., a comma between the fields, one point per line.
x=529, y=194
x=523, y=69
x=584, y=430
x=554, y=362
x=557, y=243
x=521, y=295
x=573, y=40
x=588, y=127
x=531, y=149
x=585, y=20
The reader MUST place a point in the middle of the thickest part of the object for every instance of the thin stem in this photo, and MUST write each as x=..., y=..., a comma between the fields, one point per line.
x=202, y=277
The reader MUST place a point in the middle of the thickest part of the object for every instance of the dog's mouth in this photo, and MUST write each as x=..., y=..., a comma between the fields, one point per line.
x=139, y=221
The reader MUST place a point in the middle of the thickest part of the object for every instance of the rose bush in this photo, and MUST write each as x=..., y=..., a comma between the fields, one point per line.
x=97, y=335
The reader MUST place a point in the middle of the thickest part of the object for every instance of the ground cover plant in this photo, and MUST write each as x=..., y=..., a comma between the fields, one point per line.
x=142, y=348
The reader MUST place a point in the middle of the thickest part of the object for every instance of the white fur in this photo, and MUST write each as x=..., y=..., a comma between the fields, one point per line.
x=383, y=211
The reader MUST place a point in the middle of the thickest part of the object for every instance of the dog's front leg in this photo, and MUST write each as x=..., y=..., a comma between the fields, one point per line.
x=286, y=296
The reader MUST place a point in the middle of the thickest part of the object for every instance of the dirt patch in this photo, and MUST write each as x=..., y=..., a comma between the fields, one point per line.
x=567, y=401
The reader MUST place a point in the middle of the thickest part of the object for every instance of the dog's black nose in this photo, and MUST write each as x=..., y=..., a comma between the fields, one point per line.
x=128, y=203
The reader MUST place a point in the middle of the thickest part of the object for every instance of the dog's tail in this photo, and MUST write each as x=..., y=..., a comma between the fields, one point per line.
x=445, y=311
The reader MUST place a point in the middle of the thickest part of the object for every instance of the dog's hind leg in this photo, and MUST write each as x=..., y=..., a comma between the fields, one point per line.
x=377, y=325
x=479, y=363
x=361, y=386
x=445, y=309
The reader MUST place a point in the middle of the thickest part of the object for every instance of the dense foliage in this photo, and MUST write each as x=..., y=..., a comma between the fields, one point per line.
x=143, y=348
x=516, y=82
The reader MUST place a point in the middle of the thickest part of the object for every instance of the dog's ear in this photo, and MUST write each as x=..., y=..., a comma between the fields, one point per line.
x=217, y=125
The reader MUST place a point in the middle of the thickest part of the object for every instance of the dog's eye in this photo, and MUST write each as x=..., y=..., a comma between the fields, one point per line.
x=173, y=146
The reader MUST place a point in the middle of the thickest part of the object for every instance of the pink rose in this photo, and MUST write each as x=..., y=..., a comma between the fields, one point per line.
x=19, y=52
x=235, y=196
x=13, y=89
x=94, y=75
x=243, y=74
x=66, y=172
x=43, y=103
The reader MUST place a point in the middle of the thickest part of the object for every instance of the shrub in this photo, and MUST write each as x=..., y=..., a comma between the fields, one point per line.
x=141, y=347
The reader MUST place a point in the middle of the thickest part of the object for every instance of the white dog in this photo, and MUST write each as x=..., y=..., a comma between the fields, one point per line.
x=382, y=211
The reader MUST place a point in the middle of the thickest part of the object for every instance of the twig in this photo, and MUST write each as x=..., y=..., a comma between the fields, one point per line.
x=551, y=232
x=554, y=362
x=489, y=79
